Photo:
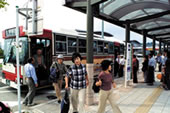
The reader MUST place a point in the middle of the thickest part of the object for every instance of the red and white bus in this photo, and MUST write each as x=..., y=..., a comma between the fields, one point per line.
x=52, y=43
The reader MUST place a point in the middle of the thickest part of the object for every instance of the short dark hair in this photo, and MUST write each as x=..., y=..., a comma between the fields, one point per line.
x=105, y=64
x=30, y=60
x=168, y=54
x=134, y=56
x=75, y=55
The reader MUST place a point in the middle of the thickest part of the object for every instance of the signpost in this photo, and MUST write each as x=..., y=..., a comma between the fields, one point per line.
x=17, y=59
x=34, y=31
x=128, y=66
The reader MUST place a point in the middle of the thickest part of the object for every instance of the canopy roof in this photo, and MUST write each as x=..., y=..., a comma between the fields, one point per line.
x=152, y=16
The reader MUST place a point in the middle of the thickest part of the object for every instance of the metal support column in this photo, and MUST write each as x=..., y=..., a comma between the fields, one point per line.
x=89, y=51
x=17, y=59
x=164, y=45
x=144, y=42
x=127, y=36
x=34, y=21
x=160, y=46
x=153, y=45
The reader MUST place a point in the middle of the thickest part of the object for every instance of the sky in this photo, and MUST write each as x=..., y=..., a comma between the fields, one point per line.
x=57, y=16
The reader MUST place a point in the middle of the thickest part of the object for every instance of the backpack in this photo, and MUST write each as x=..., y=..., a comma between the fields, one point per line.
x=54, y=73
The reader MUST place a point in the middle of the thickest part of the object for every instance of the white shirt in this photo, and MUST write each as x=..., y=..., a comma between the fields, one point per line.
x=122, y=61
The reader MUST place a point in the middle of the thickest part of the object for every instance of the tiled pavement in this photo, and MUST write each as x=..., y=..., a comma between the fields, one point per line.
x=136, y=98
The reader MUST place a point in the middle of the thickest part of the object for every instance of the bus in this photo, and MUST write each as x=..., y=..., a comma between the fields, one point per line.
x=138, y=51
x=52, y=43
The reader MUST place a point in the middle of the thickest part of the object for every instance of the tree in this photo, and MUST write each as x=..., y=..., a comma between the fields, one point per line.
x=3, y=3
x=1, y=53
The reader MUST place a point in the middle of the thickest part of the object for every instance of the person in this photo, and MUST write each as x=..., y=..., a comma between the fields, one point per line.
x=145, y=67
x=79, y=82
x=31, y=82
x=106, y=84
x=135, y=69
x=61, y=68
x=116, y=65
x=167, y=73
x=159, y=61
x=4, y=108
x=121, y=66
x=40, y=65
x=163, y=69
x=151, y=68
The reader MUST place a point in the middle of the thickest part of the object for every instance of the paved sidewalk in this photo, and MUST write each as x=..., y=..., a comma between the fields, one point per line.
x=136, y=98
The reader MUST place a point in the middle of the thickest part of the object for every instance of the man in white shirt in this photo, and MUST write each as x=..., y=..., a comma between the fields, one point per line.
x=121, y=66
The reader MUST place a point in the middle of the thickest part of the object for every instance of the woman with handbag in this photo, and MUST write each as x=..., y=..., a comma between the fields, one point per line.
x=106, y=84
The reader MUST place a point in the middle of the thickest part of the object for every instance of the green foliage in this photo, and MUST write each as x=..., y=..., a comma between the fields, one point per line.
x=1, y=53
x=3, y=3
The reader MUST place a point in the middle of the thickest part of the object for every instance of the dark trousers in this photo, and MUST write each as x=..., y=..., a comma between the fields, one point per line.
x=116, y=69
x=121, y=71
x=160, y=67
x=31, y=93
x=135, y=79
x=150, y=76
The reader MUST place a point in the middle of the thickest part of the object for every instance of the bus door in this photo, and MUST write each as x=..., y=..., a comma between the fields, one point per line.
x=45, y=46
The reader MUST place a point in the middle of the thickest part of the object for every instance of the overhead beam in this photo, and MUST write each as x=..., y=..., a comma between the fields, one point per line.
x=149, y=17
x=84, y=3
x=158, y=28
x=163, y=34
x=94, y=2
x=78, y=4
x=164, y=38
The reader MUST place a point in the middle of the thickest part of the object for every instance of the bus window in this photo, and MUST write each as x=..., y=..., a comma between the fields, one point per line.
x=100, y=47
x=60, y=45
x=106, y=47
x=82, y=46
x=95, y=47
x=10, y=51
x=110, y=48
x=38, y=41
x=72, y=45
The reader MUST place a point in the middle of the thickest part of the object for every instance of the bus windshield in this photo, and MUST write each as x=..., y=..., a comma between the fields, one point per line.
x=10, y=50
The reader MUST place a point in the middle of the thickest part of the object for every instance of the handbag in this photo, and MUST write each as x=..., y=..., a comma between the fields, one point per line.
x=95, y=88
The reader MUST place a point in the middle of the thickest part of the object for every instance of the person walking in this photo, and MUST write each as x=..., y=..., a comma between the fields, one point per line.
x=151, y=68
x=145, y=67
x=135, y=69
x=61, y=72
x=79, y=82
x=106, y=84
x=31, y=82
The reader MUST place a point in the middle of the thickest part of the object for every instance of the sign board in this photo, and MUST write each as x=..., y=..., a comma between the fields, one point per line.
x=38, y=17
x=128, y=66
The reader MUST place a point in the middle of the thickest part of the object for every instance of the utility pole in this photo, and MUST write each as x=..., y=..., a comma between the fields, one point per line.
x=17, y=59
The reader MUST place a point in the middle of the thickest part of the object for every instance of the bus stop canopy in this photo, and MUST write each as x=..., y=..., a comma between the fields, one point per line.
x=151, y=16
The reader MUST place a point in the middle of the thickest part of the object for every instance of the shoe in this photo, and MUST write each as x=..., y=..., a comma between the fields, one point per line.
x=32, y=104
x=59, y=101
x=24, y=103
x=75, y=112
